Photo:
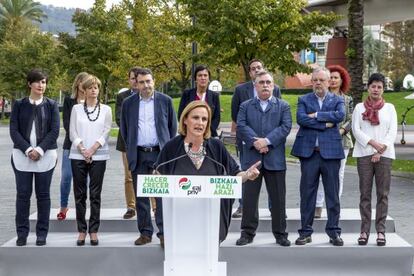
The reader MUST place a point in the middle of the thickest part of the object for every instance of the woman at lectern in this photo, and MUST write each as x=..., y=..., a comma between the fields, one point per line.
x=202, y=155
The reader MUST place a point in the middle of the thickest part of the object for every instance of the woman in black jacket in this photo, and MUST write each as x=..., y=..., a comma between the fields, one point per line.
x=34, y=129
x=202, y=93
x=194, y=140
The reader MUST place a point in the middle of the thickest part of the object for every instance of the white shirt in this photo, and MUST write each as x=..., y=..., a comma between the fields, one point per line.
x=81, y=129
x=47, y=159
x=147, y=132
x=384, y=133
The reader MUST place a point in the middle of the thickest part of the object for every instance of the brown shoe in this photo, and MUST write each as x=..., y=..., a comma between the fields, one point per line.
x=318, y=212
x=143, y=240
x=130, y=213
x=161, y=241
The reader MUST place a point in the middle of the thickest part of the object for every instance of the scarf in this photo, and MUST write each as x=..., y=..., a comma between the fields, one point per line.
x=371, y=110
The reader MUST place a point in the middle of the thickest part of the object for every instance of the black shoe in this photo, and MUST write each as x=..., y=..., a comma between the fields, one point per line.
x=161, y=241
x=283, y=241
x=244, y=240
x=302, y=240
x=40, y=242
x=80, y=242
x=21, y=241
x=130, y=213
x=337, y=241
x=238, y=213
x=94, y=242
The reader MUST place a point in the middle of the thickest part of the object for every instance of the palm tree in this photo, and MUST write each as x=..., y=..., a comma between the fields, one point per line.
x=355, y=50
x=14, y=11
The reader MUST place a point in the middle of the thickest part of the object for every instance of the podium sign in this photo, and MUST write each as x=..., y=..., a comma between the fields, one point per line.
x=191, y=214
x=189, y=186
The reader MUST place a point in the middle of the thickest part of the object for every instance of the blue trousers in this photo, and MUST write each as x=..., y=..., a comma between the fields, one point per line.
x=311, y=169
x=66, y=179
x=145, y=164
x=24, y=187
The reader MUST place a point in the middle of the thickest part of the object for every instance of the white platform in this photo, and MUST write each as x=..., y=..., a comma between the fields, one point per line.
x=116, y=255
x=112, y=221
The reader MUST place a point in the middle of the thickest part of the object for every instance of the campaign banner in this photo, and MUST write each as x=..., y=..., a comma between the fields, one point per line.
x=189, y=186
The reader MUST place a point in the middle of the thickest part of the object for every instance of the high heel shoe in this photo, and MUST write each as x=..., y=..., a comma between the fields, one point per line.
x=363, y=238
x=81, y=239
x=381, y=241
x=62, y=213
x=94, y=239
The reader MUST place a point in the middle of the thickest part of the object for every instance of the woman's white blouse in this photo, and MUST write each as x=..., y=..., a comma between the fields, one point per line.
x=81, y=129
x=384, y=133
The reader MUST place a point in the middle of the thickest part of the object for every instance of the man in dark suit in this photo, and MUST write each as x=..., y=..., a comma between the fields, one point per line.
x=263, y=124
x=318, y=145
x=120, y=144
x=244, y=92
x=201, y=92
x=146, y=130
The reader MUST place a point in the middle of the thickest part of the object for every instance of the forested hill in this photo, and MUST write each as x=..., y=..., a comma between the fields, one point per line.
x=58, y=20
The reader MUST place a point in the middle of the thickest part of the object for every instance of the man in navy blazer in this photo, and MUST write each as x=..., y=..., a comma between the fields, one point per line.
x=244, y=92
x=318, y=145
x=145, y=131
x=263, y=124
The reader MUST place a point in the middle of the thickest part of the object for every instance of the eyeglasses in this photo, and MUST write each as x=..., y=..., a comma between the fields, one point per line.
x=263, y=82
x=320, y=80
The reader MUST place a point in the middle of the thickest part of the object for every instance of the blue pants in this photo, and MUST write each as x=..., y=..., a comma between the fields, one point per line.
x=145, y=164
x=24, y=187
x=311, y=169
x=66, y=179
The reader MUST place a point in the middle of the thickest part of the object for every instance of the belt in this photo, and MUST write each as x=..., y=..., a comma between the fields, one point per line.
x=149, y=149
x=317, y=149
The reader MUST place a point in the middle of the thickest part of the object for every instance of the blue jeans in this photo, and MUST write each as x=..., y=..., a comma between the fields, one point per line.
x=66, y=179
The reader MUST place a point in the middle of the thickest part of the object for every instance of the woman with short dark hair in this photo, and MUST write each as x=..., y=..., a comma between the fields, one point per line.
x=34, y=129
x=374, y=125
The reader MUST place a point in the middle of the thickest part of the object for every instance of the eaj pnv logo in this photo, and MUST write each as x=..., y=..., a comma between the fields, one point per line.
x=184, y=183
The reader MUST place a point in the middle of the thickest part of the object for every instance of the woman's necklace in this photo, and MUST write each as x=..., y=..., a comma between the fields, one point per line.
x=88, y=113
x=196, y=157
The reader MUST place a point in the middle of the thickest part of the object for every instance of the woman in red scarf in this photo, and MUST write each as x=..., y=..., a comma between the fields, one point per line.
x=374, y=125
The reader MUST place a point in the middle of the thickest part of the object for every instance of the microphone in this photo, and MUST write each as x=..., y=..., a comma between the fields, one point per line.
x=211, y=159
x=174, y=159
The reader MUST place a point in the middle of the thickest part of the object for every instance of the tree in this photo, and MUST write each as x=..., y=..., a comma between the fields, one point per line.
x=400, y=59
x=24, y=48
x=374, y=52
x=155, y=43
x=14, y=11
x=232, y=32
x=355, y=51
x=100, y=46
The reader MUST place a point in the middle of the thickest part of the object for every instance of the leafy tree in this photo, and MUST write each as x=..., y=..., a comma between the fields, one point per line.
x=374, y=52
x=400, y=59
x=100, y=46
x=355, y=51
x=155, y=44
x=236, y=31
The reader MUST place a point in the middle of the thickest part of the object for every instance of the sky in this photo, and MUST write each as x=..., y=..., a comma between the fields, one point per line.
x=83, y=4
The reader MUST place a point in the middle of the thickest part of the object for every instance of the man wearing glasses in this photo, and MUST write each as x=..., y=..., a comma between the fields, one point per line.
x=244, y=92
x=318, y=145
x=263, y=124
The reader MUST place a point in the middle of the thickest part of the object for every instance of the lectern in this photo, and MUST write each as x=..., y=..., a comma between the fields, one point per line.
x=191, y=213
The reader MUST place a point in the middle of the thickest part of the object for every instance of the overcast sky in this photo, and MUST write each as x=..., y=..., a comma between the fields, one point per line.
x=83, y=4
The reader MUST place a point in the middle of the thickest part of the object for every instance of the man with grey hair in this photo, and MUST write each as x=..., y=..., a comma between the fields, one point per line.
x=318, y=145
x=263, y=123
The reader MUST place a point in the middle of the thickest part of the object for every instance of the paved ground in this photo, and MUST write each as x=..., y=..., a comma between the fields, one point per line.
x=401, y=207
